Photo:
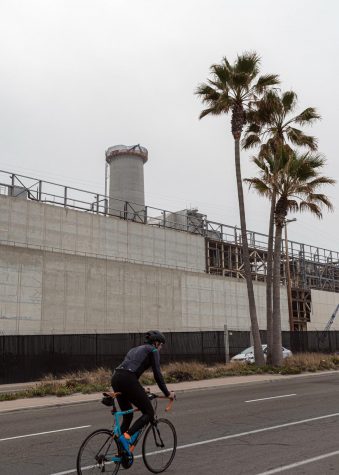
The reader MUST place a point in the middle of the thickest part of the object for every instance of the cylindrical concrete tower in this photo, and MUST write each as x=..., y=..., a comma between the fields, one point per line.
x=126, y=189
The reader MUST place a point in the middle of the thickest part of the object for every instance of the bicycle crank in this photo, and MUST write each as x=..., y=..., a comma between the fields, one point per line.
x=127, y=460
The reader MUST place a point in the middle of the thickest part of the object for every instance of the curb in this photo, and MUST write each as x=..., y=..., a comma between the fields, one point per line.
x=206, y=384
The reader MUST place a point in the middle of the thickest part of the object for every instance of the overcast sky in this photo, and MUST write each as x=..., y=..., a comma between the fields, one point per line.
x=78, y=76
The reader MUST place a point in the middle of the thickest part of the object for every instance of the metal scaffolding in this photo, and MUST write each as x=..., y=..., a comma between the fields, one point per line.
x=310, y=267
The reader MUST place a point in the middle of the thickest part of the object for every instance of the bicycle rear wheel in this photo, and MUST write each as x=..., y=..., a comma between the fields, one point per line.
x=159, y=446
x=99, y=453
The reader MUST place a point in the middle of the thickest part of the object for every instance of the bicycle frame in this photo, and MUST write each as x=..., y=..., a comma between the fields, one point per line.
x=116, y=431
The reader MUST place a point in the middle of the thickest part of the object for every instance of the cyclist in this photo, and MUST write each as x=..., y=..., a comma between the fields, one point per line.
x=125, y=380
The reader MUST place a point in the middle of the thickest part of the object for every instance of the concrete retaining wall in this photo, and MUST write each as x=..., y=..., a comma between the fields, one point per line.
x=50, y=292
x=43, y=226
x=65, y=271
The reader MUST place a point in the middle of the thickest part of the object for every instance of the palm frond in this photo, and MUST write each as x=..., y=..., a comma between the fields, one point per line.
x=247, y=63
x=250, y=141
x=227, y=65
x=267, y=150
x=241, y=83
x=207, y=93
x=289, y=100
x=312, y=207
x=313, y=160
x=266, y=81
x=321, y=180
x=307, y=116
x=210, y=110
x=297, y=137
x=252, y=128
x=322, y=199
x=263, y=165
x=259, y=185
x=293, y=206
x=222, y=73
x=310, y=142
x=270, y=105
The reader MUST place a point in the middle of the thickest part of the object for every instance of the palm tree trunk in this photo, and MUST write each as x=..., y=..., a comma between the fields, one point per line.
x=269, y=318
x=277, y=341
x=258, y=352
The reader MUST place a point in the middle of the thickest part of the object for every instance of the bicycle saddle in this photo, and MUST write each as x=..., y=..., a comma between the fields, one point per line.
x=108, y=399
x=111, y=394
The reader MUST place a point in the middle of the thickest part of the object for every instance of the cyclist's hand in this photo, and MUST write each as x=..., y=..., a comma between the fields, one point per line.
x=172, y=395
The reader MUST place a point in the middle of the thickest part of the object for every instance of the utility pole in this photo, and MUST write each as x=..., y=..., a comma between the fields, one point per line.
x=288, y=277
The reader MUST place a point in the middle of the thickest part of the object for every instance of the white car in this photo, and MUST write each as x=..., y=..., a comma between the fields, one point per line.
x=247, y=355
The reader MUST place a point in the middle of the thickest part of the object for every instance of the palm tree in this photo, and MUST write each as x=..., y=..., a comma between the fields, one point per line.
x=272, y=125
x=295, y=180
x=273, y=118
x=232, y=89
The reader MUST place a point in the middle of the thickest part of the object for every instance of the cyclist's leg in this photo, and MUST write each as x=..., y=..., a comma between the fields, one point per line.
x=140, y=399
x=125, y=405
x=128, y=384
x=120, y=384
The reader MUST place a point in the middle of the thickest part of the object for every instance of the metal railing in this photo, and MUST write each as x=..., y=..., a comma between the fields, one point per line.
x=24, y=187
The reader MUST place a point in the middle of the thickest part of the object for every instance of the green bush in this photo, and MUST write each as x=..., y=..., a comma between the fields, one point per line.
x=8, y=396
x=62, y=391
x=289, y=370
x=147, y=379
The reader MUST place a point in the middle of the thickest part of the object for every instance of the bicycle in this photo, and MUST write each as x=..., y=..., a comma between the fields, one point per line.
x=101, y=451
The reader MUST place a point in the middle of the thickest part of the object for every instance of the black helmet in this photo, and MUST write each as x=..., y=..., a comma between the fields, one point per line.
x=154, y=335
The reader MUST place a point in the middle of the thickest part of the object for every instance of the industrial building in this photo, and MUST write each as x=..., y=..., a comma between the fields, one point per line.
x=73, y=261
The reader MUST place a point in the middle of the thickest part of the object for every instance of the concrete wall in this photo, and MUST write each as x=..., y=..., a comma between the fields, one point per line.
x=34, y=224
x=323, y=305
x=51, y=292
x=65, y=271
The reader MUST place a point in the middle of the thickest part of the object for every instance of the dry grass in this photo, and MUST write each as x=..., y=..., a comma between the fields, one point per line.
x=311, y=362
x=99, y=380
x=84, y=382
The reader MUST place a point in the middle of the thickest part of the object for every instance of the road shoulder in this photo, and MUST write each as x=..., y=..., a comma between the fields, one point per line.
x=48, y=401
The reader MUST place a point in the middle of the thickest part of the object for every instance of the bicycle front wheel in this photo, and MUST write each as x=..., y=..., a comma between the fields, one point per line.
x=159, y=446
x=99, y=453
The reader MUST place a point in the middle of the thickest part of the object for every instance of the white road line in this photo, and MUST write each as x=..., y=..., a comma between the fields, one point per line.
x=273, y=397
x=73, y=471
x=232, y=436
x=43, y=433
x=298, y=464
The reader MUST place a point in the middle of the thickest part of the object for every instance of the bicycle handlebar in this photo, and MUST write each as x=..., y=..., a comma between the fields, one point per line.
x=156, y=396
x=169, y=405
x=108, y=399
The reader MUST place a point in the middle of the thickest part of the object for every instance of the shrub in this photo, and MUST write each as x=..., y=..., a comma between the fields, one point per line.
x=178, y=372
x=290, y=370
x=8, y=396
x=88, y=382
x=147, y=379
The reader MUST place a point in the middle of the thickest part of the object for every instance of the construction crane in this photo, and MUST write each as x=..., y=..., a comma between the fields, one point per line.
x=329, y=323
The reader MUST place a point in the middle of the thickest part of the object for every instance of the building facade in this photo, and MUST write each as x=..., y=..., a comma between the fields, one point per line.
x=68, y=266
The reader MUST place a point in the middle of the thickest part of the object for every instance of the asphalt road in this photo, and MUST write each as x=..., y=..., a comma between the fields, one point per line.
x=234, y=430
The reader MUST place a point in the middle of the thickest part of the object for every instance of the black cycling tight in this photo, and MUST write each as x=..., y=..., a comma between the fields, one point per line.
x=125, y=382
